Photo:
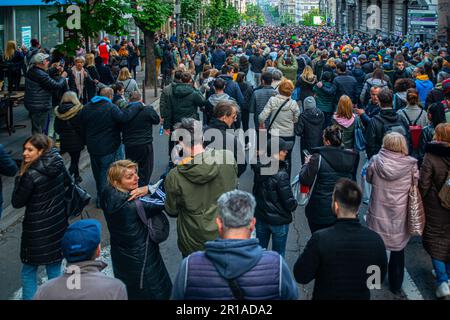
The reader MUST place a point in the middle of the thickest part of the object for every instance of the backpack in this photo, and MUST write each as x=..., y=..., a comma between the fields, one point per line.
x=444, y=193
x=198, y=59
x=414, y=130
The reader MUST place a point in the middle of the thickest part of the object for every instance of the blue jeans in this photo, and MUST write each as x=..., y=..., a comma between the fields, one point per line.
x=100, y=166
x=279, y=236
x=29, y=278
x=442, y=270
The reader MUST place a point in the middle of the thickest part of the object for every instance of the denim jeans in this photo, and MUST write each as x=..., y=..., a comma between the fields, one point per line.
x=39, y=122
x=100, y=166
x=279, y=236
x=29, y=278
x=442, y=270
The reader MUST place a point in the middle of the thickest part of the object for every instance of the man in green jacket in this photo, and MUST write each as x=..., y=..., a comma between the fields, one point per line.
x=194, y=185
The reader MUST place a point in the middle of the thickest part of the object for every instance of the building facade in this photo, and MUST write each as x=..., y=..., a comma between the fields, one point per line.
x=286, y=9
x=304, y=6
x=387, y=17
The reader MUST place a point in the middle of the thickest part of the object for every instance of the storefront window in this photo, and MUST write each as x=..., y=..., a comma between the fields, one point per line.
x=26, y=17
x=50, y=33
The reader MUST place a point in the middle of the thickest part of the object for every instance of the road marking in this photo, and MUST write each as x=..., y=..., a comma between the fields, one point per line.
x=105, y=255
x=410, y=289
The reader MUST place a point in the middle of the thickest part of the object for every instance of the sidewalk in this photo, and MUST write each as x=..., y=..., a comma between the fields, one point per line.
x=14, y=143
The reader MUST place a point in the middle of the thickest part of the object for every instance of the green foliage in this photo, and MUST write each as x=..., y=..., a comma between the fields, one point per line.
x=151, y=15
x=273, y=10
x=190, y=9
x=287, y=19
x=254, y=15
x=308, y=18
x=221, y=16
x=107, y=15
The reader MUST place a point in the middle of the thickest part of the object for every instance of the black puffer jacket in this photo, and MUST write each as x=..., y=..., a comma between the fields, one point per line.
x=128, y=243
x=41, y=190
x=306, y=87
x=379, y=125
x=39, y=88
x=336, y=163
x=347, y=85
x=68, y=126
x=274, y=199
x=139, y=130
x=309, y=128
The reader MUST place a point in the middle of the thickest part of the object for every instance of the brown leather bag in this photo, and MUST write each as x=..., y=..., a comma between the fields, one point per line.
x=416, y=212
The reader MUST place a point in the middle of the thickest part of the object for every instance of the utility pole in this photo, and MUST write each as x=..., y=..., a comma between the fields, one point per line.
x=177, y=19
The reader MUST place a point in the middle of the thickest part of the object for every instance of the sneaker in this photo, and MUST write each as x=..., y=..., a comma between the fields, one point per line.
x=433, y=272
x=442, y=291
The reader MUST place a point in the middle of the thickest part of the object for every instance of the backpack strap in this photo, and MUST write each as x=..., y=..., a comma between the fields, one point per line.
x=276, y=114
x=235, y=289
x=420, y=114
x=406, y=115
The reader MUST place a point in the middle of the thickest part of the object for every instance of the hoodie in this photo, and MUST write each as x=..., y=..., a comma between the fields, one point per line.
x=234, y=258
x=309, y=128
x=423, y=86
x=192, y=191
x=182, y=103
x=348, y=128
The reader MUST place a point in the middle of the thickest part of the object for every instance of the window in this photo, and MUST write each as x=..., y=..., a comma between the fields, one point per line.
x=27, y=17
x=50, y=33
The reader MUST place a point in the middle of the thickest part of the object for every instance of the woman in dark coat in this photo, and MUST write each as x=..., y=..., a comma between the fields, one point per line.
x=306, y=83
x=335, y=163
x=247, y=92
x=81, y=82
x=40, y=188
x=145, y=279
x=68, y=126
x=433, y=175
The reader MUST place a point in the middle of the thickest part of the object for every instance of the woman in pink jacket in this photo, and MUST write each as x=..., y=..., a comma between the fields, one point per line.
x=391, y=174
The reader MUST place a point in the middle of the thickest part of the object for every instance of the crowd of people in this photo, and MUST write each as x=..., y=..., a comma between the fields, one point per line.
x=366, y=108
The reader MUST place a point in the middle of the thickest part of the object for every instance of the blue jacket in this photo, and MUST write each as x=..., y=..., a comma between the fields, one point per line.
x=218, y=58
x=8, y=168
x=259, y=273
x=423, y=87
x=233, y=90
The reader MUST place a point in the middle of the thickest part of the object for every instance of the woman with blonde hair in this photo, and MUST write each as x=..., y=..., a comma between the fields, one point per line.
x=345, y=119
x=434, y=174
x=14, y=59
x=284, y=122
x=68, y=126
x=391, y=173
x=136, y=259
x=91, y=68
x=128, y=82
x=306, y=83
x=40, y=189
x=81, y=82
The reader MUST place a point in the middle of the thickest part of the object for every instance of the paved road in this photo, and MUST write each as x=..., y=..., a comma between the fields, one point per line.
x=418, y=282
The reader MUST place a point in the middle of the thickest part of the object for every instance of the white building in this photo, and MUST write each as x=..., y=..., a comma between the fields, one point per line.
x=286, y=8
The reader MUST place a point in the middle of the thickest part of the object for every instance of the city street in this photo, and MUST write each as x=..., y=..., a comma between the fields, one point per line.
x=418, y=283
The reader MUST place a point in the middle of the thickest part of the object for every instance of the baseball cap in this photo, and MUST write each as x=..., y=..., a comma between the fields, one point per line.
x=39, y=58
x=81, y=240
x=283, y=145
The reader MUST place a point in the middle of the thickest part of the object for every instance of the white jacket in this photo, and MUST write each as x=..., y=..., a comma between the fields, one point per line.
x=286, y=119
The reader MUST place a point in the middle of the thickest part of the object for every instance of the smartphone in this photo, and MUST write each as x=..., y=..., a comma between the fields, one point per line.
x=306, y=153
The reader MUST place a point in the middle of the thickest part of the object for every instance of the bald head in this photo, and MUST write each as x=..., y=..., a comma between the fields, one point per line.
x=107, y=92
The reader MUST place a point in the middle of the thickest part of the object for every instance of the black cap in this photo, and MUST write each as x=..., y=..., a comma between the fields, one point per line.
x=283, y=145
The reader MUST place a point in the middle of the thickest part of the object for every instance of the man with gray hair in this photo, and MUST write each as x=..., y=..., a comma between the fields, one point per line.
x=234, y=266
x=194, y=185
x=277, y=75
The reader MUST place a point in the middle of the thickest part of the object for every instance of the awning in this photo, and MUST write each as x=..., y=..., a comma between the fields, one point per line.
x=18, y=3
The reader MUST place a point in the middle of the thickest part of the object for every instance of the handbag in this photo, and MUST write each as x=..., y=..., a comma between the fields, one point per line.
x=75, y=198
x=360, y=140
x=158, y=224
x=416, y=212
x=301, y=192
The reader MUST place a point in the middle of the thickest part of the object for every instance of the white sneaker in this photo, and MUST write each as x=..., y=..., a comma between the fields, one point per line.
x=433, y=272
x=443, y=290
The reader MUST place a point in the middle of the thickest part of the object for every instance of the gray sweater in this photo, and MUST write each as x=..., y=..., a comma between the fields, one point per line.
x=413, y=112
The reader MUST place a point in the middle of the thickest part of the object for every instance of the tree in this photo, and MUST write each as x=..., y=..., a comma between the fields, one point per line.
x=221, y=16
x=190, y=10
x=149, y=16
x=308, y=18
x=254, y=14
x=95, y=15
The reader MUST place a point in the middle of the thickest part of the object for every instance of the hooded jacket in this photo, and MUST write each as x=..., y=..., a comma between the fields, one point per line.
x=41, y=190
x=139, y=130
x=261, y=274
x=128, y=236
x=390, y=174
x=289, y=71
x=182, y=103
x=348, y=128
x=233, y=90
x=309, y=128
x=274, y=199
x=192, y=191
x=423, y=86
x=306, y=87
x=68, y=126
x=433, y=175
x=370, y=111
x=325, y=96
x=359, y=75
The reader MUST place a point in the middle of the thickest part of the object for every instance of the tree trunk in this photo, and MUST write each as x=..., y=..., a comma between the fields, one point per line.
x=150, y=62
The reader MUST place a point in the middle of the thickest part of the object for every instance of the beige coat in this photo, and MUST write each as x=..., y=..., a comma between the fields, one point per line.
x=390, y=174
x=285, y=120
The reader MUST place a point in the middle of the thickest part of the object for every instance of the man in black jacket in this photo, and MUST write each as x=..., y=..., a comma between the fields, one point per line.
x=345, y=84
x=39, y=87
x=257, y=62
x=101, y=132
x=346, y=260
x=137, y=137
x=104, y=72
x=224, y=116
x=387, y=121
x=274, y=199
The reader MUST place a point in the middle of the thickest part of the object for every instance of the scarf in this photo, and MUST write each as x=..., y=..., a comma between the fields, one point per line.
x=69, y=114
x=80, y=77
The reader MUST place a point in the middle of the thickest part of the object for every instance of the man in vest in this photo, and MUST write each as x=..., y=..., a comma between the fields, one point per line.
x=234, y=266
